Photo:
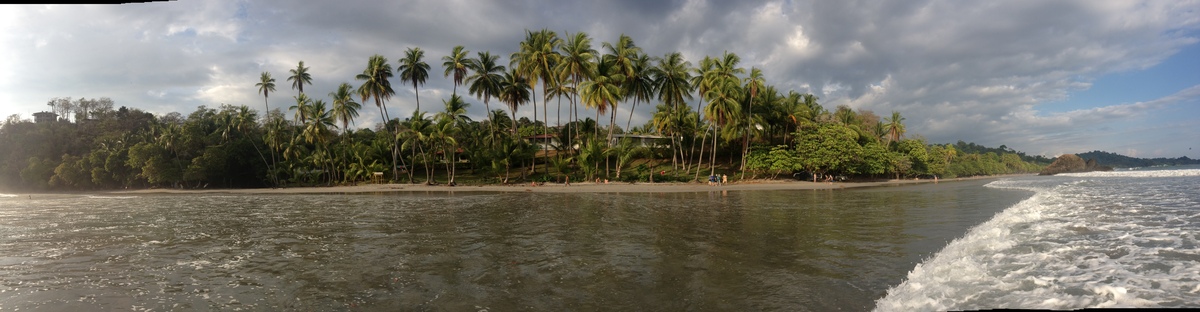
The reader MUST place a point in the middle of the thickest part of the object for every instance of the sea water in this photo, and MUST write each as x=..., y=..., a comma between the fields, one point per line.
x=708, y=250
x=1103, y=239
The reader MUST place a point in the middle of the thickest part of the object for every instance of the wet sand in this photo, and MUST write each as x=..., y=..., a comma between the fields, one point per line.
x=584, y=187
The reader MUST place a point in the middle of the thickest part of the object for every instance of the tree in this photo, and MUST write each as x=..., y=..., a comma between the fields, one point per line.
x=487, y=78
x=894, y=127
x=413, y=69
x=344, y=109
x=376, y=85
x=640, y=85
x=536, y=61
x=577, y=63
x=265, y=85
x=514, y=91
x=457, y=64
x=754, y=82
x=603, y=92
x=300, y=77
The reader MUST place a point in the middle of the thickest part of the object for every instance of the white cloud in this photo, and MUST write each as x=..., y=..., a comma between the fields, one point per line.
x=975, y=71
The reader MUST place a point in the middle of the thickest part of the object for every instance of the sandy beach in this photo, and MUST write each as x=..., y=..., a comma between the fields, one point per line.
x=613, y=187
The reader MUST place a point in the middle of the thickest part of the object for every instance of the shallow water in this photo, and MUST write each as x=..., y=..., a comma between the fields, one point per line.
x=1104, y=239
x=752, y=250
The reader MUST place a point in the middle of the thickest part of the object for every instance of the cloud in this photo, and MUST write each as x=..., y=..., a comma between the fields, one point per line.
x=957, y=70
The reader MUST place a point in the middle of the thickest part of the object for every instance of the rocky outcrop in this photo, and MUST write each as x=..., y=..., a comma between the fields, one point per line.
x=1071, y=163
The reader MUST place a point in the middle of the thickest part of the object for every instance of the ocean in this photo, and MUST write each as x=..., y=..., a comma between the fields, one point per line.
x=1093, y=240
x=1101, y=239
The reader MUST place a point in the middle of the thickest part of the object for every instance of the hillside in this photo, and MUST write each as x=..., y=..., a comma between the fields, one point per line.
x=1121, y=161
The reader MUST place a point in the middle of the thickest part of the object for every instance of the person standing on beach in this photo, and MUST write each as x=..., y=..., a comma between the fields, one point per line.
x=724, y=179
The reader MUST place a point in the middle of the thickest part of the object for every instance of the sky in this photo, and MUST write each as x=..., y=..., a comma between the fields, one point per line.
x=1042, y=77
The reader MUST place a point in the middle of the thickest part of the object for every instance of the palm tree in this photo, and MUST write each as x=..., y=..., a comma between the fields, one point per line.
x=514, y=91
x=536, y=61
x=376, y=85
x=603, y=91
x=300, y=77
x=345, y=109
x=577, y=63
x=640, y=85
x=671, y=79
x=265, y=85
x=301, y=108
x=456, y=63
x=486, y=79
x=723, y=96
x=754, y=82
x=413, y=69
x=894, y=127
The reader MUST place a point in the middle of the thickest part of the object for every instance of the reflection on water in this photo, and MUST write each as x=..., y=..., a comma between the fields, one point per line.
x=762, y=250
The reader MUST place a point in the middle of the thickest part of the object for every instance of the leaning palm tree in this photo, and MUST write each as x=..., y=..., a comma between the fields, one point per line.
x=376, y=85
x=300, y=77
x=456, y=64
x=265, y=85
x=413, y=69
x=301, y=108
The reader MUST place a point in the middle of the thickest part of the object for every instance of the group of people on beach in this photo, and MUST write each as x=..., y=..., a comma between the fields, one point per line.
x=715, y=180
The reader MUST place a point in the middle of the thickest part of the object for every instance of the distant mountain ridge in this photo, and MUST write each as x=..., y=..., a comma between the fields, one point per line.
x=1121, y=161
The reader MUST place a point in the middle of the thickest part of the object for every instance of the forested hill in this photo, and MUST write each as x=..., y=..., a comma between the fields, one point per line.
x=973, y=148
x=1121, y=161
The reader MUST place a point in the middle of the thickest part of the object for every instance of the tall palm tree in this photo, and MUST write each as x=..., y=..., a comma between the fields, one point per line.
x=457, y=64
x=265, y=85
x=376, y=85
x=414, y=70
x=344, y=109
x=640, y=85
x=514, y=91
x=603, y=91
x=536, y=60
x=300, y=77
x=723, y=95
x=486, y=77
x=671, y=78
x=754, y=83
x=577, y=64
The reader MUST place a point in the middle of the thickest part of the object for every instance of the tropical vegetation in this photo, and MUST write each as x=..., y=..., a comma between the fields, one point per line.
x=741, y=126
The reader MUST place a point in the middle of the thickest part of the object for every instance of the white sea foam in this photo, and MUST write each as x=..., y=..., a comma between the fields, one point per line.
x=1076, y=243
x=1138, y=173
x=7, y=195
x=110, y=197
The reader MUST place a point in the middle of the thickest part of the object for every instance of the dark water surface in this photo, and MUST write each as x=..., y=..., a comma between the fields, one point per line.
x=751, y=250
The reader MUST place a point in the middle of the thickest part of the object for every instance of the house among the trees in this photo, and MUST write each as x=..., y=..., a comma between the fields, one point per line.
x=44, y=117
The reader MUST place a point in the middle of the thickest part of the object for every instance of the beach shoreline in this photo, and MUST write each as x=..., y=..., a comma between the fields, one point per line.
x=581, y=187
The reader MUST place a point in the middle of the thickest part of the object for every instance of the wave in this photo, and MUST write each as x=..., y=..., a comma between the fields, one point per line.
x=7, y=195
x=1073, y=244
x=110, y=197
x=1137, y=174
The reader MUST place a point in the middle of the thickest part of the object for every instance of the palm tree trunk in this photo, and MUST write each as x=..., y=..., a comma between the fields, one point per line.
x=700, y=158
